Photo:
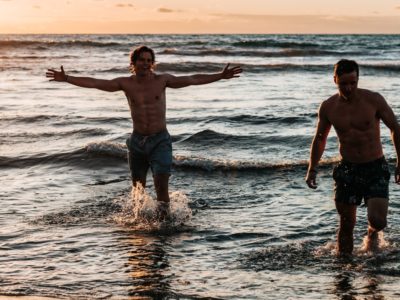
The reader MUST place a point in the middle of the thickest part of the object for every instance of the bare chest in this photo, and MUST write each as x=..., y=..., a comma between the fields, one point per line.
x=346, y=118
x=148, y=94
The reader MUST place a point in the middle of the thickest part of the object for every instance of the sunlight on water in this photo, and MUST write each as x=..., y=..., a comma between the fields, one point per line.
x=73, y=229
x=142, y=211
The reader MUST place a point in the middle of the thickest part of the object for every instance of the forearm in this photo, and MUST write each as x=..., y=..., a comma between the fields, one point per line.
x=396, y=142
x=89, y=82
x=317, y=149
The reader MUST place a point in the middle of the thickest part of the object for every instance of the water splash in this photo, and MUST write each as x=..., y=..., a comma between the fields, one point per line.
x=328, y=249
x=142, y=212
x=311, y=255
x=368, y=248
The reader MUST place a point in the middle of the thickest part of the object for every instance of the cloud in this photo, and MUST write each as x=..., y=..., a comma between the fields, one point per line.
x=124, y=5
x=166, y=10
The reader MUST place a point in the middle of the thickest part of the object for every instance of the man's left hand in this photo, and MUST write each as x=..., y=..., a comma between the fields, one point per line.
x=228, y=73
x=397, y=174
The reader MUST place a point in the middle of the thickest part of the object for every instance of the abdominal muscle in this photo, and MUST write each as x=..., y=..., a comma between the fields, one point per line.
x=148, y=121
x=360, y=147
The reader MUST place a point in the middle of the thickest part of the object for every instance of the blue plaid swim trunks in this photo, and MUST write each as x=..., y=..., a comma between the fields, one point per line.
x=154, y=151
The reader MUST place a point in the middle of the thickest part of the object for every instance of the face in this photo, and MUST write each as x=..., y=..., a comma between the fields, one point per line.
x=347, y=84
x=144, y=64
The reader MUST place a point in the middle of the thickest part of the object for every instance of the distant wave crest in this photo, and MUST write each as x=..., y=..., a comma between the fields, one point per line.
x=55, y=43
x=264, y=43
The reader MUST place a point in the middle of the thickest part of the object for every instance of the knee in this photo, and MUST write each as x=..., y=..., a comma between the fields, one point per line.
x=378, y=223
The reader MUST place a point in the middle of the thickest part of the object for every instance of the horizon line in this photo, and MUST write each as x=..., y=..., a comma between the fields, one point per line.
x=214, y=33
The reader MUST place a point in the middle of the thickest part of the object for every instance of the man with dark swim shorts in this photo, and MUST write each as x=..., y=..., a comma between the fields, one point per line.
x=150, y=143
x=354, y=182
x=363, y=172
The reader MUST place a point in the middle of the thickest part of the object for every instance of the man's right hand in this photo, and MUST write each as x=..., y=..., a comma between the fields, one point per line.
x=56, y=75
x=311, y=179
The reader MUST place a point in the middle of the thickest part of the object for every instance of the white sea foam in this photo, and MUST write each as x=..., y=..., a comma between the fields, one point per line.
x=141, y=211
x=107, y=148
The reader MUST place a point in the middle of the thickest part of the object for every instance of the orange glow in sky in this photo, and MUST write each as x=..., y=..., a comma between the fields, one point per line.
x=205, y=16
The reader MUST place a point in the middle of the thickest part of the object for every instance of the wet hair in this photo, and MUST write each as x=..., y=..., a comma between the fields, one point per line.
x=345, y=66
x=139, y=50
x=135, y=54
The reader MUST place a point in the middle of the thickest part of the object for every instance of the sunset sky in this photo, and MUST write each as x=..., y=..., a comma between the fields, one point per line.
x=199, y=16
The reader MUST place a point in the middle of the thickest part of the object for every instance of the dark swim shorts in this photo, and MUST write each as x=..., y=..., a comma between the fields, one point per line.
x=154, y=151
x=356, y=181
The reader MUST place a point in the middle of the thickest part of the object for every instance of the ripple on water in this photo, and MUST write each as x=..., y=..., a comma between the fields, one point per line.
x=313, y=257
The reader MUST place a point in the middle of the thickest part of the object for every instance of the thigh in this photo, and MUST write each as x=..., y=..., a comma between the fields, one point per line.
x=137, y=161
x=161, y=157
x=346, y=188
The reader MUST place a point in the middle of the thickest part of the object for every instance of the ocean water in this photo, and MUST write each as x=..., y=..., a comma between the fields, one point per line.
x=245, y=224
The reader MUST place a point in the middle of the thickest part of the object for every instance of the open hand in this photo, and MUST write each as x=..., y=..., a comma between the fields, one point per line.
x=228, y=73
x=397, y=175
x=311, y=179
x=56, y=75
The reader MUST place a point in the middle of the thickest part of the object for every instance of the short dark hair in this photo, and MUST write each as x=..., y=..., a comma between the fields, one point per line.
x=139, y=50
x=345, y=66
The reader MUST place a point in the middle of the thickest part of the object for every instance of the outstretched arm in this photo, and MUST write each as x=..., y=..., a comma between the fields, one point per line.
x=183, y=81
x=86, y=82
x=389, y=118
x=317, y=147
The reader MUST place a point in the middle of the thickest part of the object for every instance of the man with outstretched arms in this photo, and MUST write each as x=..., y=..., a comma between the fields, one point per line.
x=150, y=143
x=362, y=172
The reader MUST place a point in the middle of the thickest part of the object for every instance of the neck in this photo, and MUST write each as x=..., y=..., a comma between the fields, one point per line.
x=144, y=76
x=351, y=98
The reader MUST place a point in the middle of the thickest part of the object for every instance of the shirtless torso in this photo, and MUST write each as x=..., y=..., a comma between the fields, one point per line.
x=145, y=91
x=146, y=98
x=356, y=123
x=355, y=115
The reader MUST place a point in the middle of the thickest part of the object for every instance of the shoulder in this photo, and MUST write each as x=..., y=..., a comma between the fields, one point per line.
x=368, y=94
x=372, y=97
x=328, y=103
x=123, y=79
x=123, y=82
x=163, y=76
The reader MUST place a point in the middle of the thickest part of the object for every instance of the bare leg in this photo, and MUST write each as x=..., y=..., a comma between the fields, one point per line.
x=161, y=187
x=141, y=181
x=347, y=215
x=377, y=213
x=141, y=167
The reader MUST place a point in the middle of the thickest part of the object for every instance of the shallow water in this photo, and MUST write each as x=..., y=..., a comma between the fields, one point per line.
x=245, y=225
